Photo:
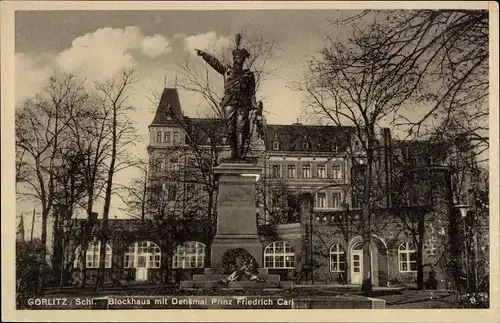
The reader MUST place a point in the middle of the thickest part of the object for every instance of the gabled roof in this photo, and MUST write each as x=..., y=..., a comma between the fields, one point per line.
x=201, y=129
x=319, y=138
x=169, y=106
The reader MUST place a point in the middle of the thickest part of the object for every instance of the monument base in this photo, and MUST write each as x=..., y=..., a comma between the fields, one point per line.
x=223, y=243
x=213, y=277
x=236, y=229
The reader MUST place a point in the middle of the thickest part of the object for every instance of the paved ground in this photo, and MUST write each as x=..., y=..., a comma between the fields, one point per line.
x=394, y=298
x=419, y=299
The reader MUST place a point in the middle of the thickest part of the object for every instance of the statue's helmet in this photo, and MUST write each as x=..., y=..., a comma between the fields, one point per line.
x=242, y=54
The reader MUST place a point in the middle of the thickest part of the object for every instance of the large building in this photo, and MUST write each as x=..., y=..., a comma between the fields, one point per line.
x=309, y=203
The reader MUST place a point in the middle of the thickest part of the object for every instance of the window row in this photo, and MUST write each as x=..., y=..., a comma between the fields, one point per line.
x=161, y=165
x=336, y=171
x=307, y=146
x=321, y=200
x=278, y=255
x=168, y=137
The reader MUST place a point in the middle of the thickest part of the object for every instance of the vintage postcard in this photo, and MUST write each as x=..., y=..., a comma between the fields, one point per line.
x=250, y=161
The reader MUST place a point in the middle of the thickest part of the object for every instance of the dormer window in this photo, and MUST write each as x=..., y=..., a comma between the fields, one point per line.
x=335, y=147
x=168, y=136
x=276, y=145
x=305, y=146
x=224, y=140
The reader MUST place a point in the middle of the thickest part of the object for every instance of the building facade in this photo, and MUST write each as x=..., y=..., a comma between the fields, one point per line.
x=309, y=204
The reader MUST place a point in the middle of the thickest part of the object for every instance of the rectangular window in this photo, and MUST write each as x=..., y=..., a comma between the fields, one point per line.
x=291, y=171
x=175, y=262
x=171, y=192
x=355, y=203
x=321, y=171
x=158, y=136
x=268, y=261
x=168, y=136
x=336, y=199
x=336, y=171
x=276, y=171
x=129, y=261
x=279, y=261
x=320, y=200
x=306, y=171
x=174, y=164
x=161, y=165
x=176, y=137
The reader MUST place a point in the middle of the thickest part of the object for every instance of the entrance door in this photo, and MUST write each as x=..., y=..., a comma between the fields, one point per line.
x=356, y=266
x=141, y=269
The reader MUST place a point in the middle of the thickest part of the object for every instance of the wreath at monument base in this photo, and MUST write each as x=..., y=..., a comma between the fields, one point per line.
x=233, y=259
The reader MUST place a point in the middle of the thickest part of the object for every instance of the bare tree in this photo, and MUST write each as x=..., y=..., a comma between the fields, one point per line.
x=111, y=98
x=70, y=193
x=450, y=50
x=351, y=84
x=41, y=132
x=137, y=193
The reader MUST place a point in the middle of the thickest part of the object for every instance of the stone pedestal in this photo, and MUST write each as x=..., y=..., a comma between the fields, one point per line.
x=236, y=228
x=237, y=216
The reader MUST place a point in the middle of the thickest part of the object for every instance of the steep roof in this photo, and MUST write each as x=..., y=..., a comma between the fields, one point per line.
x=319, y=138
x=169, y=107
x=201, y=129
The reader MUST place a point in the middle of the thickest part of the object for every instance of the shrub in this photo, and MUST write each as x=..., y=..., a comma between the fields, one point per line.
x=432, y=282
x=28, y=263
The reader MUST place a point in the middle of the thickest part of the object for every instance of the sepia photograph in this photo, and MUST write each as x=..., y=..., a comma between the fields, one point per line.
x=249, y=158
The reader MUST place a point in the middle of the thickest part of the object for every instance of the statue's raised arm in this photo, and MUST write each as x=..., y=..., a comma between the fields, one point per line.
x=212, y=61
x=239, y=97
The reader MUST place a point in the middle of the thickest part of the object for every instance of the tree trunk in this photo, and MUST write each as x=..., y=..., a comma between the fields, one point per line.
x=420, y=250
x=41, y=271
x=366, y=285
x=213, y=226
x=107, y=202
x=454, y=267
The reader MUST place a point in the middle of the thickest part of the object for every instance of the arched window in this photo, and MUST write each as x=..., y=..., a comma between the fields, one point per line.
x=143, y=254
x=279, y=254
x=92, y=255
x=337, y=258
x=190, y=254
x=407, y=255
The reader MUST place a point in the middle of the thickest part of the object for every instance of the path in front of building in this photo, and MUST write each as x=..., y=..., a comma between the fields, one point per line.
x=395, y=298
x=419, y=299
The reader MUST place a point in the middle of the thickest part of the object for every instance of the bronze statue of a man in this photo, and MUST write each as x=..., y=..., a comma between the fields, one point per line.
x=238, y=99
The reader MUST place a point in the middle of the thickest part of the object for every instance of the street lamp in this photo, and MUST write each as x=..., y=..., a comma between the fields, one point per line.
x=463, y=213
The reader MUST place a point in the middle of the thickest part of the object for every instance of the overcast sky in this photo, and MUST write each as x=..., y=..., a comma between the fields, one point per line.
x=99, y=44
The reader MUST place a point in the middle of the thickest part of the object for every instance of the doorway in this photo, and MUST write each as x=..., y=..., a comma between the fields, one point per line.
x=141, y=273
x=356, y=263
